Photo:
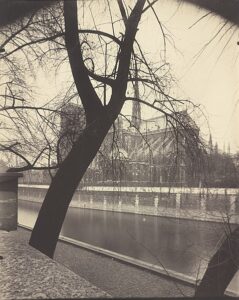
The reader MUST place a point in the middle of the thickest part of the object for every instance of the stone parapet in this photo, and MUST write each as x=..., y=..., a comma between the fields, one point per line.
x=8, y=200
x=217, y=205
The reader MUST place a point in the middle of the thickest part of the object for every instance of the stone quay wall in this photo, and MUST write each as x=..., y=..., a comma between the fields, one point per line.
x=8, y=200
x=219, y=205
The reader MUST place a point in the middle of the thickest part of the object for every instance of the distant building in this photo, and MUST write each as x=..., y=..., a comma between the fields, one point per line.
x=135, y=152
x=150, y=154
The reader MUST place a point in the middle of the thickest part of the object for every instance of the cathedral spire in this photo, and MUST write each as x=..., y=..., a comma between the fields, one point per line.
x=210, y=145
x=136, y=109
x=228, y=149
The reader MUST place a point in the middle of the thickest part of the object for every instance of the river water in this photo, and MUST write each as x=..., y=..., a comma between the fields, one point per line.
x=180, y=245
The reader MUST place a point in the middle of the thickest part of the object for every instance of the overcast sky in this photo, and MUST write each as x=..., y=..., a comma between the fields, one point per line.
x=212, y=79
x=209, y=78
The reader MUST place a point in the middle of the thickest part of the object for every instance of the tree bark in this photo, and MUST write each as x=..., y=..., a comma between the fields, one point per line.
x=50, y=219
x=221, y=268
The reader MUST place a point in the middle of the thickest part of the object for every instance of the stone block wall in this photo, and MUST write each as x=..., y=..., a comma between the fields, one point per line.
x=8, y=201
x=207, y=205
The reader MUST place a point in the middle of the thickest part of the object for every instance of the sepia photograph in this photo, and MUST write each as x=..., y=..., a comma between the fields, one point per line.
x=119, y=149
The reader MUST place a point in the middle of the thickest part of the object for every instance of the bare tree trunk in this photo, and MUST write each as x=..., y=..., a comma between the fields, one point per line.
x=99, y=119
x=221, y=268
x=46, y=231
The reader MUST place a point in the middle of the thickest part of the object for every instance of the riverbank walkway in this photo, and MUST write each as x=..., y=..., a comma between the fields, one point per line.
x=28, y=274
x=74, y=273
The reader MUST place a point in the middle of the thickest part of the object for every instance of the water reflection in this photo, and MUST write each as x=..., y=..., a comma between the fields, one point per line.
x=180, y=245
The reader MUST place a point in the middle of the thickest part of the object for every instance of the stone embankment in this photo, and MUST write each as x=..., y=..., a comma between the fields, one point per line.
x=211, y=204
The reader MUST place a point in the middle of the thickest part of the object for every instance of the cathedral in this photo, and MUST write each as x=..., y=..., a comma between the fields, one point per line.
x=150, y=152
x=136, y=152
